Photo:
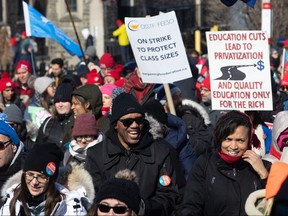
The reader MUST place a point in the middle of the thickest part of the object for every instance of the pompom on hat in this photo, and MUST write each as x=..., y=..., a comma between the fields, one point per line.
x=44, y=158
x=85, y=124
x=23, y=64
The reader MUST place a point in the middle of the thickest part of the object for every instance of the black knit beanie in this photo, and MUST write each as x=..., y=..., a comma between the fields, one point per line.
x=124, y=104
x=126, y=191
x=156, y=110
x=63, y=93
x=44, y=158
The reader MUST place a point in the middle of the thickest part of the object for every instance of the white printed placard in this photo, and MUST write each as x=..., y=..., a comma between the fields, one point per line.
x=158, y=48
x=239, y=69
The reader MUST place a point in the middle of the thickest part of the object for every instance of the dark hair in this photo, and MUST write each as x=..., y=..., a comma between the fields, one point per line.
x=228, y=123
x=58, y=61
x=83, y=101
x=52, y=196
x=14, y=99
x=257, y=118
x=46, y=100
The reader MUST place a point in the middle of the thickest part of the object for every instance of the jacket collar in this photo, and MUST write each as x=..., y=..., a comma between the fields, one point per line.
x=113, y=149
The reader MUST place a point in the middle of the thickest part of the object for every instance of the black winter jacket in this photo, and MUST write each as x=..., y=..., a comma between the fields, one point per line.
x=216, y=188
x=149, y=159
x=53, y=130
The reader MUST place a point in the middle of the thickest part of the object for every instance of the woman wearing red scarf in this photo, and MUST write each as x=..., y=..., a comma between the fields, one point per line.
x=221, y=181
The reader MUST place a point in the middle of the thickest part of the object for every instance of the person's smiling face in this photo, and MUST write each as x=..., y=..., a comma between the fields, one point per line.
x=36, y=182
x=130, y=134
x=236, y=143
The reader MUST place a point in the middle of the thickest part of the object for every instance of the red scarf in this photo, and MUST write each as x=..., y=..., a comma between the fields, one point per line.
x=141, y=89
x=228, y=158
x=105, y=110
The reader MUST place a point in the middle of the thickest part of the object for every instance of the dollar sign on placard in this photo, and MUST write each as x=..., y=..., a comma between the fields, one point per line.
x=260, y=64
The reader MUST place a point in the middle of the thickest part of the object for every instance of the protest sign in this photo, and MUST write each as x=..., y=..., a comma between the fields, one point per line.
x=239, y=68
x=158, y=48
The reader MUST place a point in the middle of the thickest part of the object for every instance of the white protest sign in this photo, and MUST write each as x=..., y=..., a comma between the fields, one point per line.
x=158, y=48
x=239, y=68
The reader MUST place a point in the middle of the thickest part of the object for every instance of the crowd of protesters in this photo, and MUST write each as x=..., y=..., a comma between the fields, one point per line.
x=99, y=141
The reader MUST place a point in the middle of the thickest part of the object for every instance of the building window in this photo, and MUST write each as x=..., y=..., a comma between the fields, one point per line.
x=72, y=5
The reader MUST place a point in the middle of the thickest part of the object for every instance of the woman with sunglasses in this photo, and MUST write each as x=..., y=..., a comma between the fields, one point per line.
x=35, y=191
x=119, y=195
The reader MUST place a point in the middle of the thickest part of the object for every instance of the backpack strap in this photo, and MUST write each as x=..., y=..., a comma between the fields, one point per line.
x=44, y=128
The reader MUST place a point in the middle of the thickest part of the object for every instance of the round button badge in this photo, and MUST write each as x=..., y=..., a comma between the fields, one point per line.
x=51, y=168
x=164, y=180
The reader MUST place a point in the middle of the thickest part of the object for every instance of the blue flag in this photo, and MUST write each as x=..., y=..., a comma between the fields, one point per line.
x=39, y=26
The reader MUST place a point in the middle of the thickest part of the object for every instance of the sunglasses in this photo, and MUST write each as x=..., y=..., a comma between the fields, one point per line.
x=116, y=209
x=3, y=145
x=127, y=122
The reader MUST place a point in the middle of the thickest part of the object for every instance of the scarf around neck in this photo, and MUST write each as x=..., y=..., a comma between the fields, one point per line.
x=228, y=158
x=81, y=152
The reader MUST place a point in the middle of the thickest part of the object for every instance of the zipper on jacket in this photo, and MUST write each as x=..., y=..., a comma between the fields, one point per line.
x=234, y=172
x=127, y=154
x=255, y=185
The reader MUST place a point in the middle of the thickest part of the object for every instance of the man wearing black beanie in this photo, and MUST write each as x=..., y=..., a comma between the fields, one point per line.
x=129, y=145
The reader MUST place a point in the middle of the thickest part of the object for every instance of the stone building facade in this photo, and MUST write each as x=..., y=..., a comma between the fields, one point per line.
x=98, y=16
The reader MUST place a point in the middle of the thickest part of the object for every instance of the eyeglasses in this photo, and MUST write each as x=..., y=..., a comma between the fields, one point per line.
x=3, y=145
x=40, y=178
x=86, y=138
x=117, y=209
x=127, y=122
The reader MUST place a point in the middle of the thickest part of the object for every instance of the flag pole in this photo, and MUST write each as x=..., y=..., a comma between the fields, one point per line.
x=71, y=18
